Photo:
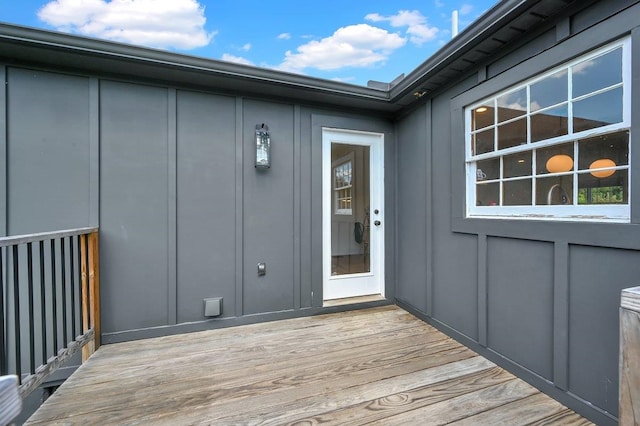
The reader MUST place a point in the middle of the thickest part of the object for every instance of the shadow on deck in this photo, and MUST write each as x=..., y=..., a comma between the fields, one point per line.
x=372, y=366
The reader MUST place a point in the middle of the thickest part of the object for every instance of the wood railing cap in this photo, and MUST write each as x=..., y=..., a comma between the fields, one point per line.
x=630, y=299
x=43, y=236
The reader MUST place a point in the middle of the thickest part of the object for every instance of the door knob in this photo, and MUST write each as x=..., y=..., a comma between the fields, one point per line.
x=377, y=223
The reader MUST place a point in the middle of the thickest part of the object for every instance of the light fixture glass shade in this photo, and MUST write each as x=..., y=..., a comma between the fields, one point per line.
x=559, y=163
x=600, y=164
x=263, y=147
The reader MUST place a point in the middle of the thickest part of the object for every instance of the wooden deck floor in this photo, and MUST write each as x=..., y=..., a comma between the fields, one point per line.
x=375, y=366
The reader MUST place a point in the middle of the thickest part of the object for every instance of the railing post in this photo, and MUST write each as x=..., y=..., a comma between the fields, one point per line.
x=84, y=294
x=629, y=408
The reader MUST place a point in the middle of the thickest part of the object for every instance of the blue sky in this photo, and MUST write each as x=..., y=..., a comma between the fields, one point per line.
x=350, y=41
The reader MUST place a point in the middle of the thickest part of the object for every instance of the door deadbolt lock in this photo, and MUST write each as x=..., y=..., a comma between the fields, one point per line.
x=377, y=223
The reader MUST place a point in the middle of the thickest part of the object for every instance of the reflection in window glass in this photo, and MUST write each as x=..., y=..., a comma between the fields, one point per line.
x=550, y=123
x=483, y=142
x=482, y=116
x=517, y=165
x=512, y=134
x=488, y=169
x=597, y=73
x=488, y=194
x=554, y=190
x=558, y=158
x=597, y=111
x=512, y=105
x=343, y=187
x=608, y=190
x=517, y=193
x=549, y=91
x=614, y=147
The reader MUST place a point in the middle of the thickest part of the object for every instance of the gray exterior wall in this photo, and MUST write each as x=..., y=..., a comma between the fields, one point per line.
x=167, y=173
x=540, y=298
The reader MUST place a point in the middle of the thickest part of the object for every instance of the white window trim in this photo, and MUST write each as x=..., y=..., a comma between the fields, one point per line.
x=604, y=212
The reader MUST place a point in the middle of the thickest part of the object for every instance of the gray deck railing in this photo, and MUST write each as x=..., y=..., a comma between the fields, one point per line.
x=49, y=302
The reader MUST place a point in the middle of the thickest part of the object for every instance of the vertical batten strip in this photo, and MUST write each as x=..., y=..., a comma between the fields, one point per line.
x=429, y=199
x=94, y=152
x=172, y=209
x=239, y=210
x=561, y=315
x=3, y=150
x=482, y=291
x=3, y=213
x=297, y=220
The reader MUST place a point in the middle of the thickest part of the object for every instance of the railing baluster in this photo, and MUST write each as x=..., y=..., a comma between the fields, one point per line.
x=16, y=312
x=79, y=258
x=32, y=337
x=63, y=279
x=72, y=276
x=3, y=344
x=54, y=296
x=43, y=304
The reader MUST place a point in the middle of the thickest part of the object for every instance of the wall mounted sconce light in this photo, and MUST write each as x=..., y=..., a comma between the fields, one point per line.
x=263, y=147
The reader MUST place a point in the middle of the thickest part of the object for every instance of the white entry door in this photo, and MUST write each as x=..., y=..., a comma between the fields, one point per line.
x=352, y=213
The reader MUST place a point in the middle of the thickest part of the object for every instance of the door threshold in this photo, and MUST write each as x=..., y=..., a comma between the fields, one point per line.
x=353, y=300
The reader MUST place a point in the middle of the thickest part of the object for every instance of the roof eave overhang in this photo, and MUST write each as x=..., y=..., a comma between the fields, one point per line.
x=457, y=57
x=47, y=48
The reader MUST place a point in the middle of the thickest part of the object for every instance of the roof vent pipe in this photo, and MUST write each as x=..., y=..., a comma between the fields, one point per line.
x=454, y=23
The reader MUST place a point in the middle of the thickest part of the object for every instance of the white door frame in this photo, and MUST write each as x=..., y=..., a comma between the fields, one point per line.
x=365, y=283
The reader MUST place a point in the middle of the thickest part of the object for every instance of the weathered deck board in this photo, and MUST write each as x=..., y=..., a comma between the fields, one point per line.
x=374, y=366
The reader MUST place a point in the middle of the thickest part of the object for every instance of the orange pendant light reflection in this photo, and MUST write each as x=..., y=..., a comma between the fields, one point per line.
x=600, y=164
x=559, y=163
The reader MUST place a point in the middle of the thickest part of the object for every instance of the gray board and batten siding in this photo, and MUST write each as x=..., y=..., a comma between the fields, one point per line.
x=164, y=165
x=537, y=295
x=183, y=213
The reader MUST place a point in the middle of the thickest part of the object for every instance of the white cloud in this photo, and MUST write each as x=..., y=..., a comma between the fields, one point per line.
x=154, y=23
x=439, y=3
x=246, y=47
x=236, y=59
x=466, y=9
x=353, y=46
x=418, y=30
x=284, y=36
x=343, y=79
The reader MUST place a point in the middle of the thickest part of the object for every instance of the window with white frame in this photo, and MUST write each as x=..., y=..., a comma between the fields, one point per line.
x=556, y=146
x=343, y=186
